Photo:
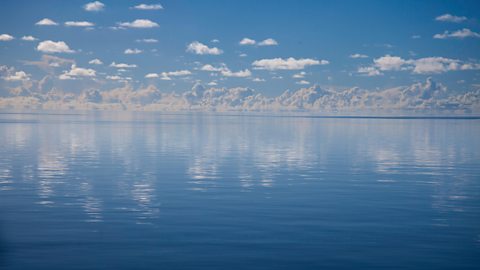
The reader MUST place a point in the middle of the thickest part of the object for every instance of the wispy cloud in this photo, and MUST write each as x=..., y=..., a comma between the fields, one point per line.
x=450, y=18
x=287, y=64
x=148, y=7
x=459, y=34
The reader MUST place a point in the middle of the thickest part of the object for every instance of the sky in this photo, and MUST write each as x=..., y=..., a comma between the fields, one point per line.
x=268, y=46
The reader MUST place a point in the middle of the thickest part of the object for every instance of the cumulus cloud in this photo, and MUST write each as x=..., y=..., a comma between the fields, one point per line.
x=148, y=7
x=389, y=62
x=49, y=46
x=258, y=80
x=29, y=38
x=95, y=61
x=268, y=42
x=122, y=65
x=358, y=55
x=299, y=75
x=151, y=75
x=17, y=76
x=201, y=49
x=247, y=41
x=167, y=75
x=239, y=74
x=139, y=23
x=79, y=24
x=369, y=71
x=209, y=67
x=76, y=72
x=6, y=37
x=147, y=40
x=94, y=6
x=46, y=22
x=287, y=64
x=132, y=51
x=304, y=82
x=459, y=34
x=451, y=18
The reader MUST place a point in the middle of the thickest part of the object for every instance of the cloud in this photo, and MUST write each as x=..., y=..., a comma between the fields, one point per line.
x=147, y=40
x=132, y=51
x=49, y=46
x=242, y=55
x=76, y=72
x=202, y=49
x=29, y=38
x=369, y=71
x=46, y=22
x=6, y=37
x=49, y=62
x=299, y=75
x=215, y=40
x=151, y=75
x=209, y=67
x=94, y=6
x=122, y=65
x=238, y=74
x=258, y=80
x=17, y=76
x=388, y=62
x=148, y=7
x=167, y=75
x=139, y=23
x=358, y=55
x=450, y=18
x=416, y=36
x=287, y=64
x=79, y=24
x=460, y=34
x=95, y=61
x=303, y=82
x=268, y=42
x=247, y=41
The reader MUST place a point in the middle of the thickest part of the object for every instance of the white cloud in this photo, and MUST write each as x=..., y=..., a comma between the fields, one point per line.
x=199, y=48
x=151, y=75
x=79, y=24
x=29, y=38
x=287, y=64
x=122, y=65
x=139, y=23
x=148, y=7
x=247, y=41
x=76, y=72
x=388, y=62
x=416, y=36
x=242, y=55
x=6, y=37
x=212, y=83
x=268, y=42
x=215, y=40
x=369, y=71
x=118, y=78
x=46, y=21
x=358, y=55
x=460, y=34
x=258, y=80
x=209, y=67
x=147, y=40
x=132, y=51
x=17, y=76
x=95, y=62
x=303, y=82
x=49, y=46
x=451, y=18
x=299, y=75
x=239, y=74
x=94, y=6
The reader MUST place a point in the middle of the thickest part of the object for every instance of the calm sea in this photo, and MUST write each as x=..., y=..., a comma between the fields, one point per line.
x=217, y=191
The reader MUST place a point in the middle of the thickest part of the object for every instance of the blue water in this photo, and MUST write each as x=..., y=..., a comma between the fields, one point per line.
x=216, y=191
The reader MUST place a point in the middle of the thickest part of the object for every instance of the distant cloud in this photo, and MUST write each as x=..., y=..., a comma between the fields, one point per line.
x=287, y=64
x=147, y=40
x=258, y=80
x=209, y=67
x=247, y=41
x=416, y=36
x=148, y=7
x=167, y=75
x=215, y=40
x=132, y=51
x=49, y=46
x=29, y=38
x=239, y=74
x=76, y=72
x=358, y=55
x=299, y=75
x=268, y=42
x=303, y=82
x=388, y=62
x=6, y=37
x=79, y=24
x=242, y=55
x=460, y=34
x=199, y=48
x=369, y=71
x=94, y=6
x=139, y=23
x=450, y=18
x=17, y=76
x=95, y=62
x=46, y=22
x=151, y=75
x=122, y=65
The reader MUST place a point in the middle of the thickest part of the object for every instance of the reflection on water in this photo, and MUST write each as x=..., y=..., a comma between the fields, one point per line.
x=268, y=192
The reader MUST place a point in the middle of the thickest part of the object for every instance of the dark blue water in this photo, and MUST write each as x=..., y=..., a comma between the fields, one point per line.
x=159, y=191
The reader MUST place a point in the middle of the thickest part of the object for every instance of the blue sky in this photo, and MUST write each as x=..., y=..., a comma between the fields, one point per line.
x=393, y=39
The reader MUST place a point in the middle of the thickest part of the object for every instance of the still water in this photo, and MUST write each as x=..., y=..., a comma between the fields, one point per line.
x=213, y=191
